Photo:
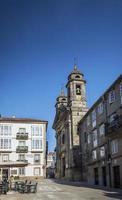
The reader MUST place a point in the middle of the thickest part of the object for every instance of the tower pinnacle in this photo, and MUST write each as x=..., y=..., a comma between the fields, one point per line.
x=62, y=92
x=75, y=67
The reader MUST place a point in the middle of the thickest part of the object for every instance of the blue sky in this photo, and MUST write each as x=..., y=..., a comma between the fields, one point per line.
x=38, y=42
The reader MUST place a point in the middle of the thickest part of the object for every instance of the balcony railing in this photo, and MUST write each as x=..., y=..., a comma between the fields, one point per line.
x=114, y=126
x=22, y=149
x=22, y=160
x=22, y=136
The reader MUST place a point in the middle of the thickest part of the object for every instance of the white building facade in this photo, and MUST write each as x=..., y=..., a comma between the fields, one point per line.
x=51, y=164
x=22, y=147
x=51, y=159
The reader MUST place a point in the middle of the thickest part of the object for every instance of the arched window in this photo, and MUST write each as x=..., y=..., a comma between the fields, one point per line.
x=78, y=90
x=77, y=76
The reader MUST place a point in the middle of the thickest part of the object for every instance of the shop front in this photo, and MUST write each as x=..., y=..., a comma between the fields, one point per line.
x=6, y=168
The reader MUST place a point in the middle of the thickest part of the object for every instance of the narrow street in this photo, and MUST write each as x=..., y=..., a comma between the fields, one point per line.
x=49, y=189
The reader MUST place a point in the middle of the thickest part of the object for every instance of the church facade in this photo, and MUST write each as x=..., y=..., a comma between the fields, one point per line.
x=70, y=109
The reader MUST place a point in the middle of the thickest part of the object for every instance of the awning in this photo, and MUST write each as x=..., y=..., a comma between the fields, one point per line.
x=13, y=164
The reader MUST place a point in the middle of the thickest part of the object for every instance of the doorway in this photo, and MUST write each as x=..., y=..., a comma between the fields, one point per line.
x=104, y=176
x=96, y=176
x=5, y=174
x=116, y=173
x=63, y=167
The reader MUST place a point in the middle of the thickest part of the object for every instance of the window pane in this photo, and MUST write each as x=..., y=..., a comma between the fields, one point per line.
x=111, y=96
x=102, y=151
x=94, y=118
x=5, y=157
x=22, y=143
x=102, y=129
x=94, y=155
x=36, y=131
x=22, y=171
x=114, y=146
x=36, y=171
x=88, y=120
x=121, y=89
x=100, y=108
x=22, y=130
x=36, y=144
x=95, y=142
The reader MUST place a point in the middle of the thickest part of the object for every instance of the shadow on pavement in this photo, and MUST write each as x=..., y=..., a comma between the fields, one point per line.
x=108, y=192
x=115, y=195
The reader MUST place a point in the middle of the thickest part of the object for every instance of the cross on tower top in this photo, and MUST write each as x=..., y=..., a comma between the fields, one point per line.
x=75, y=67
x=75, y=64
x=62, y=91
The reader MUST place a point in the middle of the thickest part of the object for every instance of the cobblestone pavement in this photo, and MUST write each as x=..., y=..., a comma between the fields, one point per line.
x=49, y=189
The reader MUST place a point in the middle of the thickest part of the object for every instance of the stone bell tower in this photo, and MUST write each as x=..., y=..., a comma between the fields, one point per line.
x=76, y=99
x=70, y=109
x=61, y=101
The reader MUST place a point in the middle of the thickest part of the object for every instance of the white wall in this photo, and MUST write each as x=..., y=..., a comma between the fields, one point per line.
x=28, y=156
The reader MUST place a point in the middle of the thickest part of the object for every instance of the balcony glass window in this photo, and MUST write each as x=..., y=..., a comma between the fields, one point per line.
x=22, y=130
x=5, y=130
x=5, y=143
x=94, y=118
x=36, y=144
x=114, y=146
x=94, y=155
x=22, y=143
x=36, y=131
x=95, y=140
x=100, y=108
x=111, y=96
x=102, y=151
x=102, y=129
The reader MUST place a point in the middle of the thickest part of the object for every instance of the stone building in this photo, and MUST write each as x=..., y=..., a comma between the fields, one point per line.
x=100, y=132
x=22, y=147
x=70, y=108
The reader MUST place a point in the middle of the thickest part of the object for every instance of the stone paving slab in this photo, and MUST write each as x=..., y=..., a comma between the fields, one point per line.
x=50, y=190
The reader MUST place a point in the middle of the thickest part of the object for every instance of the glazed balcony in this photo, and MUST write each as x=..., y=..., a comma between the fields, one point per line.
x=22, y=136
x=22, y=149
x=114, y=126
